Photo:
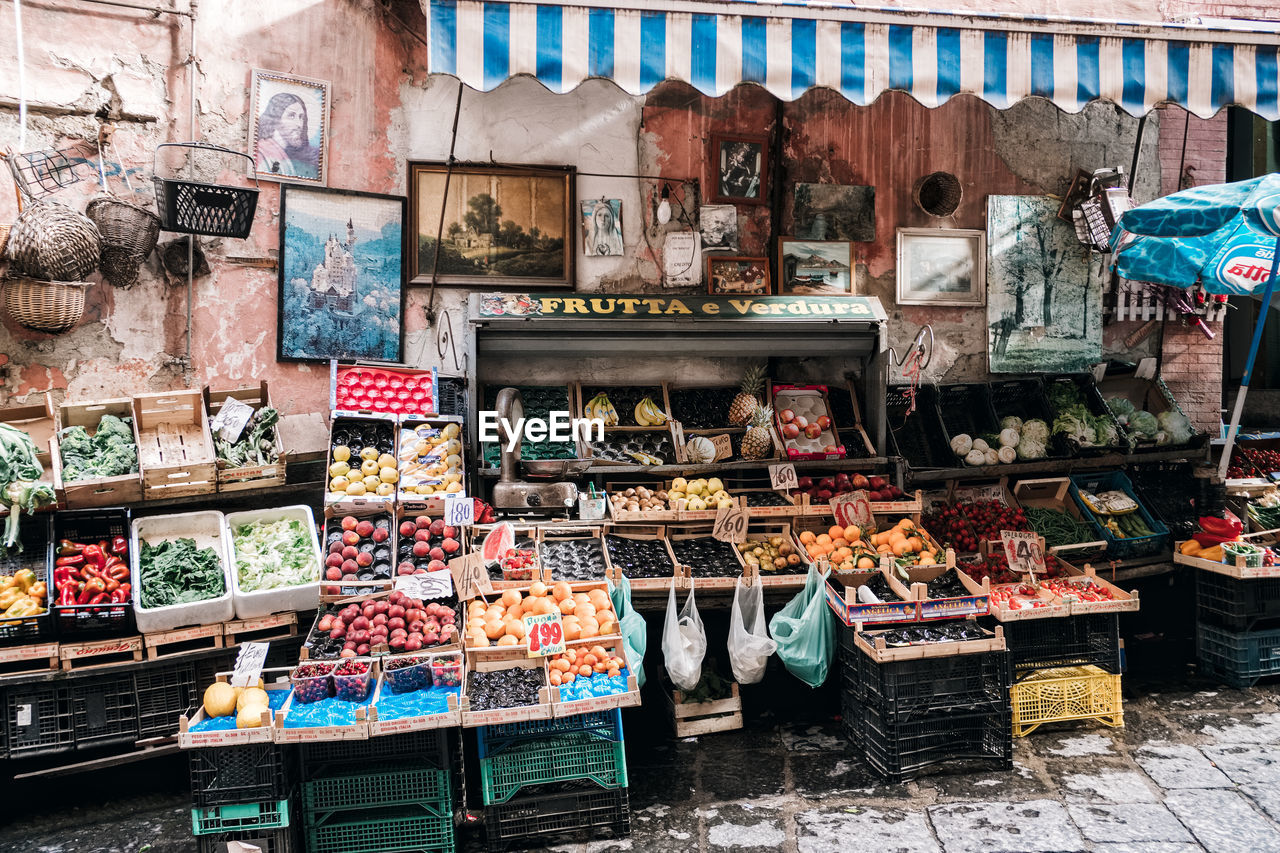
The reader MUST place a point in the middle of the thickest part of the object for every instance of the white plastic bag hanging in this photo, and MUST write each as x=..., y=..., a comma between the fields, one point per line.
x=684, y=642
x=749, y=642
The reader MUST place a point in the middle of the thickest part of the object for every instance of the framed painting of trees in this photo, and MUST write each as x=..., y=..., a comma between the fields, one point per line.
x=1044, y=302
x=491, y=225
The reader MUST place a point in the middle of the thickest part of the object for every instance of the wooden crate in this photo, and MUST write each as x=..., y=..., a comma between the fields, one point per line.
x=96, y=491
x=406, y=441
x=691, y=719
x=340, y=590
x=512, y=659
x=878, y=651
x=274, y=681
x=175, y=451
x=78, y=656
x=165, y=644
x=347, y=503
x=250, y=476
x=642, y=532
x=24, y=660
x=1054, y=607
x=378, y=727
x=627, y=699
x=278, y=626
x=626, y=419
x=841, y=591
x=1054, y=493
x=702, y=531
x=40, y=422
x=804, y=391
x=622, y=516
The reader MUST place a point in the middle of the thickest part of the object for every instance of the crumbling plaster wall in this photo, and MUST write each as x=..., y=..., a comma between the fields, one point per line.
x=386, y=109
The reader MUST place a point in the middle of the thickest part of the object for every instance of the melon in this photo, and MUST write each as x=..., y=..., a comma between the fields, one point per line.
x=497, y=542
x=252, y=696
x=219, y=699
x=700, y=450
x=250, y=717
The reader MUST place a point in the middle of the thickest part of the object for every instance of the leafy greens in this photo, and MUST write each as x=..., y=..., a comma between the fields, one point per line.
x=273, y=554
x=256, y=446
x=178, y=572
x=109, y=452
x=20, y=470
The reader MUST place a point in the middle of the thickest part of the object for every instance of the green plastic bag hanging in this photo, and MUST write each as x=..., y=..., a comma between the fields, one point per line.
x=635, y=634
x=805, y=632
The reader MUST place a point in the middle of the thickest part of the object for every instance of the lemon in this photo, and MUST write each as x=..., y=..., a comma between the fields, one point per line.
x=454, y=486
x=341, y=453
x=450, y=431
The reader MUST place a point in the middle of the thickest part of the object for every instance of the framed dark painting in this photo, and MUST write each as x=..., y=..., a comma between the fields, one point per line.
x=741, y=166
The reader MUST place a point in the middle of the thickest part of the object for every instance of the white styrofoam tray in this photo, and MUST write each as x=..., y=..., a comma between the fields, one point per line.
x=208, y=530
x=264, y=602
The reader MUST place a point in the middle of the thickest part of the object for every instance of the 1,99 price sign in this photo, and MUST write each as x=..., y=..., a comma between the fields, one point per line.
x=544, y=635
x=1023, y=551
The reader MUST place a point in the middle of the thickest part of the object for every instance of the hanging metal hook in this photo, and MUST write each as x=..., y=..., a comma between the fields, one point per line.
x=922, y=353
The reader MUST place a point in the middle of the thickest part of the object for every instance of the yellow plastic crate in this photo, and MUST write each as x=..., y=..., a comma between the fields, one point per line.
x=1066, y=693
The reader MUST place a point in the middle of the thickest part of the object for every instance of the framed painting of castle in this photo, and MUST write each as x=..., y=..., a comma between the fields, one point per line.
x=341, y=291
x=501, y=225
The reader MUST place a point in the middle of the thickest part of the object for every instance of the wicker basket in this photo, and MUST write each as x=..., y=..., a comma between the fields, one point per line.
x=129, y=235
x=51, y=241
x=4, y=239
x=46, y=306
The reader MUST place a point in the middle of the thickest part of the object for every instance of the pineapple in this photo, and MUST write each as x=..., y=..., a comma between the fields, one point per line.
x=757, y=443
x=748, y=399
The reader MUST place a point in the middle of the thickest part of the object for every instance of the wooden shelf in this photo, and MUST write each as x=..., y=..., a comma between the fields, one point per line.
x=863, y=464
x=1050, y=466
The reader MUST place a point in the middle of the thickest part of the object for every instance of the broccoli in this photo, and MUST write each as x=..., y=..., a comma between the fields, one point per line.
x=109, y=452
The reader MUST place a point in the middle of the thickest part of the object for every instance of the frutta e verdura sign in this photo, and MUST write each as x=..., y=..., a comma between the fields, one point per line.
x=641, y=306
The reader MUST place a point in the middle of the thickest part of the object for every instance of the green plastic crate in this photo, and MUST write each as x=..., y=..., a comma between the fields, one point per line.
x=556, y=759
x=417, y=786
x=391, y=830
x=231, y=818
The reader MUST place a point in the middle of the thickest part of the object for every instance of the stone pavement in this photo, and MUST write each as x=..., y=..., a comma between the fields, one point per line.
x=1195, y=768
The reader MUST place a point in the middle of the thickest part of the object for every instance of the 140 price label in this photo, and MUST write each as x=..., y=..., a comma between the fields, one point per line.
x=1023, y=551
x=544, y=634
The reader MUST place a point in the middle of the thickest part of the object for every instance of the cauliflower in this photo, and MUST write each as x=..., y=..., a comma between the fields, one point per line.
x=1144, y=424
x=1011, y=422
x=1007, y=455
x=1177, y=425
x=980, y=445
x=975, y=457
x=961, y=444
x=1031, y=448
x=991, y=457
x=1036, y=429
x=1009, y=438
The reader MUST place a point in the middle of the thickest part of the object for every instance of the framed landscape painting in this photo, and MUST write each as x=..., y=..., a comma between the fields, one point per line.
x=815, y=267
x=502, y=225
x=341, y=292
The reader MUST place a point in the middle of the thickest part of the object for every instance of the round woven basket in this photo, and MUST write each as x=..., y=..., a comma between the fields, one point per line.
x=51, y=241
x=46, y=306
x=4, y=239
x=124, y=225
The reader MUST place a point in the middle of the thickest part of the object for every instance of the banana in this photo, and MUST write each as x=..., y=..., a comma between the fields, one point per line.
x=610, y=413
x=655, y=415
x=640, y=414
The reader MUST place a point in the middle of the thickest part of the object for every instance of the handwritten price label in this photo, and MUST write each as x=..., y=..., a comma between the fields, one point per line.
x=1023, y=551
x=470, y=576
x=248, y=668
x=428, y=585
x=852, y=508
x=783, y=478
x=459, y=511
x=544, y=635
x=731, y=525
x=723, y=445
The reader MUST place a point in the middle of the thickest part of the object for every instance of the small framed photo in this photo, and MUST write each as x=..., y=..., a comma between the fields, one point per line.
x=815, y=267
x=602, y=226
x=941, y=267
x=741, y=168
x=733, y=276
x=289, y=128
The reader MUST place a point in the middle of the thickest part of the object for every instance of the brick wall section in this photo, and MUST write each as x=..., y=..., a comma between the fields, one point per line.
x=1192, y=368
x=1206, y=148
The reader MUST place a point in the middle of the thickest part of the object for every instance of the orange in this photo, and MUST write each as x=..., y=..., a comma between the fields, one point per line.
x=607, y=627
x=561, y=591
x=884, y=549
x=852, y=532
x=926, y=560
x=493, y=630
x=567, y=605
x=824, y=539
x=866, y=563
x=567, y=678
x=538, y=589
x=916, y=543
x=599, y=599
x=584, y=611
x=572, y=631
x=590, y=659
x=835, y=531
x=839, y=541
x=807, y=537
x=514, y=628
x=900, y=548
x=554, y=677
x=508, y=640
x=511, y=598
x=599, y=652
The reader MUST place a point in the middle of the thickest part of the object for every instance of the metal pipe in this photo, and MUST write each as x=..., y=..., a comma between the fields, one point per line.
x=136, y=7
x=22, y=77
x=1137, y=149
x=191, y=94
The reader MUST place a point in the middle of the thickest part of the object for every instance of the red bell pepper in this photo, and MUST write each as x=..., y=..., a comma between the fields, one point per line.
x=119, y=546
x=99, y=598
x=75, y=561
x=61, y=575
x=95, y=556
x=121, y=595
x=92, y=587
x=67, y=548
x=118, y=573
x=67, y=594
x=1228, y=528
x=88, y=573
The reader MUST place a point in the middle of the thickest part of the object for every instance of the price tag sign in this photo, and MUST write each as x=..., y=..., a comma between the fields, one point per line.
x=731, y=525
x=428, y=585
x=459, y=511
x=852, y=508
x=248, y=668
x=723, y=445
x=1022, y=550
x=470, y=576
x=231, y=420
x=783, y=478
x=543, y=635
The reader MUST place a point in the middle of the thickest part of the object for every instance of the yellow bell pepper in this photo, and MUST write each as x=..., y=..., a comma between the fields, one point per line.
x=1213, y=554
x=24, y=578
x=21, y=608
x=9, y=596
x=7, y=582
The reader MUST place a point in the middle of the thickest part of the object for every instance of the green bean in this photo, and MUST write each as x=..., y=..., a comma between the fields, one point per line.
x=1057, y=527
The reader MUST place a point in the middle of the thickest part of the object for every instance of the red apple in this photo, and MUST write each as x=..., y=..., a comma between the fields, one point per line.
x=790, y=431
x=812, y=431
x=801, y=421
x=823, y=422
x=875, y=496
x=860, y=482
x=877, y=482
x=787, y=416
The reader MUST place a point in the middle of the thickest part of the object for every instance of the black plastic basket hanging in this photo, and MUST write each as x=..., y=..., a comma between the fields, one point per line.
x=212, y=210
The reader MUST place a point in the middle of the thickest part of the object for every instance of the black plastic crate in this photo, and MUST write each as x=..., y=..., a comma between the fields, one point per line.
x=1023, y=398
x=287, y=839
x=425, y=748
x=165, y=692
x=37, y=720
x=573, y=813
x=37, y=555
x=911, y=689
x=1172, y=493
x=1237, y=605
x=451, y=396
x=104, y=710
x=900, y=751
x=605, y=725
x=917, y=437
x=965, y=408
x=1092, y=639
x=86, y=622
x=250, y=773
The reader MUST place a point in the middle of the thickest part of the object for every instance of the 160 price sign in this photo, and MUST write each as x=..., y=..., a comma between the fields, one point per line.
x=544, y=635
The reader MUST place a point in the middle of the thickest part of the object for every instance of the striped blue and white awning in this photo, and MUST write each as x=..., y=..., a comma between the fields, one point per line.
x=789, y=48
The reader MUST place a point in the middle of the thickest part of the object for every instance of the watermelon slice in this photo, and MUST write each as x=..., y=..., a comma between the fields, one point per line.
x=497, y=542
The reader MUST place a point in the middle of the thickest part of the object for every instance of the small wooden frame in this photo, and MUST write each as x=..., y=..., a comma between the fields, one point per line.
x=913, y=507
x=1054, y=607
x=168, y=643
x=352, y=505
x=78, y=656
x=627, y=420
x=882, y=653
x=281, y=733
x=25, y=660
x=98, y=491
x=278, y=626
x=691, y=719
x=703, y=531
x=250, y=476
x=331, y=591
x=175, y=451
